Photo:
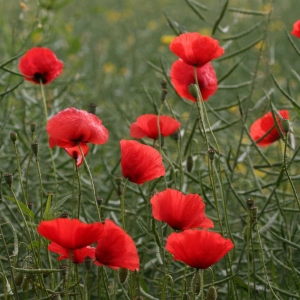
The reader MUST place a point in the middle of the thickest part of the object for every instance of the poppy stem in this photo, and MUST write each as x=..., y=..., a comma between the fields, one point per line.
x=51, y=153
x=69, y=275
x=79, y=190
x=92, y=182
x=122, y=202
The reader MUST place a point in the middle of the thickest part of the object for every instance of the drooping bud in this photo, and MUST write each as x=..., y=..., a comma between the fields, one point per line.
x=189, y=163
x=285, y=124
x=30, y=205
x=88, y=263
x=123, y=275
x=196, y=283
x=250, y=203
x=35, y=148
x=175, y=136
x=32, y=127
x=99, y=201
x=92, y=108
x=164, y=91
x=13, y=136
x=8, y=178
x=211, y=154
x=19, y=278
x=211, y=293
x=194, y=90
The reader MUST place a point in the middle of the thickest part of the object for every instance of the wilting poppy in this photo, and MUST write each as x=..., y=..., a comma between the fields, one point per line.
x=140, y=163
x=78, y=255
x=265, y=124
x=75, y=153
x=116, y=249
x=146, y=125
x=72, y=126
x=196, y=49
x=40, y=65
x=70, y=234
x=296, y=29
x=182, y=76
x=180, y=211
x=198, y=248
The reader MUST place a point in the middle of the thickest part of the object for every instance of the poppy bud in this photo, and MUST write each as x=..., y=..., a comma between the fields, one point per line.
x=8, y=178
x=92, y=108
x=164, y=91
x=123, y=275
x=88, y=262
x=253, y=213
x=211, y=293
x=285, y=124
x=99, y=201
x=250, y=203
x=196, y=283
x=30, y=205
x=13, y=136
x=35, y=148
x=175, y=136
x=64, y=215
x=211, y=154
x=19, y=278
x=194, y=90
x=25, y=284
x=189, y=163
x=32, y=127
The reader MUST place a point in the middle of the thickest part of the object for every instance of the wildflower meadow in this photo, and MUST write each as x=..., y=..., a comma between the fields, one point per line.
x=150, y=150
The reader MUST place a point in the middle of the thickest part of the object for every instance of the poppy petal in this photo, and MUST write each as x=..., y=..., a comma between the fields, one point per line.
x=76, y=154
x=198, y=248
x=116, y=248
x=296, y=29
x=182, y=76
x=140, y=163
x=180, y=211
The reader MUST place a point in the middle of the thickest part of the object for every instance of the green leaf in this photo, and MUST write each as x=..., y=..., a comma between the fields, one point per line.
x=47, y=214
x=23, y=207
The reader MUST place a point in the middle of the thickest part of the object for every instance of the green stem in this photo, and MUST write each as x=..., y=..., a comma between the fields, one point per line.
x=122, y=200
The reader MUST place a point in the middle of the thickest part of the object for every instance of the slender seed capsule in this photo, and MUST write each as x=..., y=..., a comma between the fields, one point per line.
x=8, y=178
x=189, y=163
x=92, y=108
x=285, y=124
x=32, y=127
x=35, y=148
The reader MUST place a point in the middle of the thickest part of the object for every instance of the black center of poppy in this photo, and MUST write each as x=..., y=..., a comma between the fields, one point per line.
x=38, y=77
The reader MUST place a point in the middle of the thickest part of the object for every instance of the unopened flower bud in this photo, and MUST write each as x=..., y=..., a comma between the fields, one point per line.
x=189, y=163
x=285, y=124
x=88, y=263
x=25, y=284
x=8, y=178
x=99, y=201
x=211, y=154
x=35, y=148
x=211, y=293
x=194, y=90
x=175, y=136
x=32, y=127
x=92, y=108
x=19, y=278
x=30, y=205
x=164, y=91
x=123, y=275
x=250, y=203
x=13, y=136
x=196, y=283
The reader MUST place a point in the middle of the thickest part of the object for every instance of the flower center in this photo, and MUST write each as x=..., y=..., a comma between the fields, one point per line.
x=38, y=77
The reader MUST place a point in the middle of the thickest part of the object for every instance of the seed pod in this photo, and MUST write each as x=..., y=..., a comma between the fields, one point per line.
x=189, y=163
x=123, y=275
x=19, y=279
x=211, y=293
x=250, y=203
x=285, y=124
x=88, y=263
x=13, y=137
x=194, y=90
x=35, y=148
x=92, y=108
x=8, y=178
x=32, y=127
x=211, y=153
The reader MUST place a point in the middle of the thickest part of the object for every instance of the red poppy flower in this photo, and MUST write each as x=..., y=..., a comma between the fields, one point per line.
x=261, y=126
x=116, y=249
x=296, y=29
x=182, y=75
x=196, y=49
x=140, y=163
x=78, y=255
x=76, y=154
x=70, y=234
x=198, y=248
x=40, y=64
x=179, y=211
x=72, y=126
x=146, y=125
